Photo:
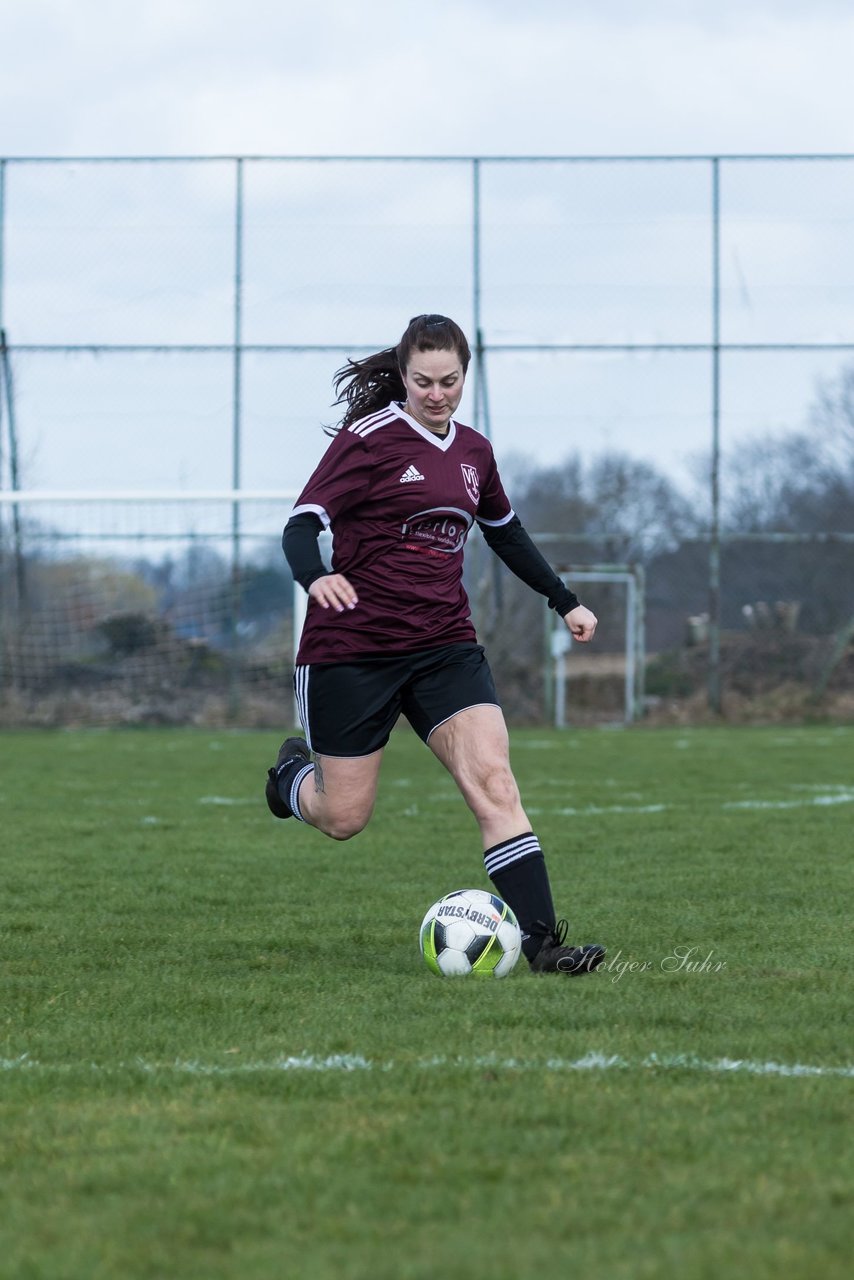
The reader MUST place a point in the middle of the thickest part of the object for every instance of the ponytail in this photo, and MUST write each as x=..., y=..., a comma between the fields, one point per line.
x=365, y=386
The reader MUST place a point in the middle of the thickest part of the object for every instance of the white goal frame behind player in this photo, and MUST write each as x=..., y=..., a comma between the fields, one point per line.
x=560, y=641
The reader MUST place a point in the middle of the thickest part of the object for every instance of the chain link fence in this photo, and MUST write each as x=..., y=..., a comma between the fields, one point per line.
x=663, y=354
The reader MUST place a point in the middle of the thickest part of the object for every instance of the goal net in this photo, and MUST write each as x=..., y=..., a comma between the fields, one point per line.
x=144, y=608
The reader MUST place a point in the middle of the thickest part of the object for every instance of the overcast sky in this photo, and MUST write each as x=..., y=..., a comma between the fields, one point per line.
x=84, y=77
x=455, y=78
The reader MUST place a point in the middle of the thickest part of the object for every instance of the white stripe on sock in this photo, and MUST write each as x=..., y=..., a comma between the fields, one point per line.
x=511, y=851
x=293, y=801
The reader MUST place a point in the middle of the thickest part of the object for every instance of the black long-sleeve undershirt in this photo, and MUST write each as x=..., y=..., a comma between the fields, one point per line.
x=510, y=542
x=299, y=543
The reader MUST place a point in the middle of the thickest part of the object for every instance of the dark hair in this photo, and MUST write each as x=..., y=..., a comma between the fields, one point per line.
x=368, y=385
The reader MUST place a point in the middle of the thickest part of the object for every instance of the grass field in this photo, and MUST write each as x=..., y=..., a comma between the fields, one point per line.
x=222, y=1055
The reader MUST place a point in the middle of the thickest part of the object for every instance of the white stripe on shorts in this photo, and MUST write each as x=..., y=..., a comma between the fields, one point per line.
x=301, y=674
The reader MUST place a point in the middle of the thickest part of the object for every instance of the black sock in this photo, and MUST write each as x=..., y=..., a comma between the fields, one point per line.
x=288, y=782
x=517, y=868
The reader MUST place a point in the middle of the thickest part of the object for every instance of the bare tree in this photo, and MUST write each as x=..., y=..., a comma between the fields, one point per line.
x=625, y=506
x=635, y=508
x=831, y=418
x=765, y=480
x=549, y=499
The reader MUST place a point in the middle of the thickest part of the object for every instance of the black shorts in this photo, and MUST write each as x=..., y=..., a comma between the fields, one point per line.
x=350, y=708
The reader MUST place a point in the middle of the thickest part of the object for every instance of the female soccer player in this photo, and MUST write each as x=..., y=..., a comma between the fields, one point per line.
x=389, y=631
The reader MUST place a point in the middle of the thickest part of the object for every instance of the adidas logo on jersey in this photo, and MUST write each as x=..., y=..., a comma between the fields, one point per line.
x=410, y=474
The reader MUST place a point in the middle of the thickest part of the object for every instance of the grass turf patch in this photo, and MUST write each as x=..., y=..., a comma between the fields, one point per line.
x=168, y=949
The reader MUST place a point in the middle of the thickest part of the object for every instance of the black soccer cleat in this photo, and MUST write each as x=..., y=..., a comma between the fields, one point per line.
x=555, y=957
x=293, y=751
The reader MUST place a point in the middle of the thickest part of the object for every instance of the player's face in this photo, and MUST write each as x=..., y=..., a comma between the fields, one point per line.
x=434, y=387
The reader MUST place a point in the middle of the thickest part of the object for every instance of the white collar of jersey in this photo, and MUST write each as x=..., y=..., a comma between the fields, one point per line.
x=441, y=442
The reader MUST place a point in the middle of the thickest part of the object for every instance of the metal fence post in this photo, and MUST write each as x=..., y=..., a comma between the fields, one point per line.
x=714, y=673
x=237, y=391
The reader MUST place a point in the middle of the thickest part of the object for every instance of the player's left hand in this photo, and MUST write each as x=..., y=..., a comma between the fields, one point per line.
x=581, y=623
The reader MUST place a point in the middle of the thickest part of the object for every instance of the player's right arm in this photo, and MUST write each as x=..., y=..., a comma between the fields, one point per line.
x=340, y=479
x=299, y=543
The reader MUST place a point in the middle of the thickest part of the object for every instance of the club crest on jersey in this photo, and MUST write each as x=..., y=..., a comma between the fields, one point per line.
x=471, y=481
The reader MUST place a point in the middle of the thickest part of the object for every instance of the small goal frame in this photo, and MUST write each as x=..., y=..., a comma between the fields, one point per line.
x=558, y=663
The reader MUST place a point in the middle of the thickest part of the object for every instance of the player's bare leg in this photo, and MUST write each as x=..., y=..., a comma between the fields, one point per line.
x=474, y=747
x=338, y=797
x=334, y=794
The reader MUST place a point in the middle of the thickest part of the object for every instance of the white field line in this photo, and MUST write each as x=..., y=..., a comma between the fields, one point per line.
x=838, y=797
x=347, y=1062
x=821, y=796
x=570, y=811
x=819, y=786
x=226, y=800
x=828, y=795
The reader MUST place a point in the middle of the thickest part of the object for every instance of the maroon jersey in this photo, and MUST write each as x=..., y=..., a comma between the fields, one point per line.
x=400, y=501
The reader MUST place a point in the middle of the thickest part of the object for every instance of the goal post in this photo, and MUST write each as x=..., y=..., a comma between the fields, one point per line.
x=560, y=647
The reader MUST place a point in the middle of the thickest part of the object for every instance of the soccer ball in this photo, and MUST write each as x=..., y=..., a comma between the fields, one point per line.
x=470, y=931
